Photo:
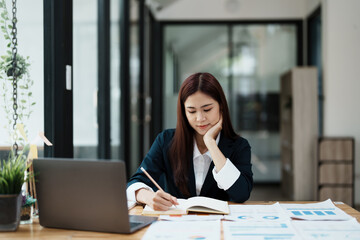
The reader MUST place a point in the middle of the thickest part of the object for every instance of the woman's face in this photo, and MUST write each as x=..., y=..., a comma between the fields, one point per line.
x=202, y=112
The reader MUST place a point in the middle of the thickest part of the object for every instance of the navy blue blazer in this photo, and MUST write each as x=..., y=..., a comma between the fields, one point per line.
x=157, y=164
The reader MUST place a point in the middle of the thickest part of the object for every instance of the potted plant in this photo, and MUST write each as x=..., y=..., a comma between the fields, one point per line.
x=12, y=178
x=26, y=209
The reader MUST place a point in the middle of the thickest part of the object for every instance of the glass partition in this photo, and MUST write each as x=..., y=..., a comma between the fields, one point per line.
x=115, y=92
x=85, y=75
x=248, y=60
x=190, y=49
x=261, y=54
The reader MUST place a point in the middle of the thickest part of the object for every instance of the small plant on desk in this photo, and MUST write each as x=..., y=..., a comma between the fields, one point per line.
x=26, y=209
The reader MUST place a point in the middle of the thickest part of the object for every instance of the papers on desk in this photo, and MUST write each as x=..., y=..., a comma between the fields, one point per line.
x=328, y=229
x=276, y=221
x=181, y=218
x=183, y=230
x=316, y=211
x=257, y=213
x=259, y=230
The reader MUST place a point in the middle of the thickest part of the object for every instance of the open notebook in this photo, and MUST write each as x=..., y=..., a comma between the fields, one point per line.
x=194, y=204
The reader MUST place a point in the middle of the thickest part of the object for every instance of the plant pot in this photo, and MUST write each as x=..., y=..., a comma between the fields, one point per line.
x=10, y=206
x=26, y=215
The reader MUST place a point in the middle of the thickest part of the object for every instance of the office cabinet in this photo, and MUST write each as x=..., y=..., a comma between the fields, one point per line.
x=299, y=133
x=336, y=169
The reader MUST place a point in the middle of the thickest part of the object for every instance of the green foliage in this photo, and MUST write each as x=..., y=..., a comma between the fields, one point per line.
x=21, y=66
x=5, y=22
x=28, y=201
x=24, y=83
x=12, y=173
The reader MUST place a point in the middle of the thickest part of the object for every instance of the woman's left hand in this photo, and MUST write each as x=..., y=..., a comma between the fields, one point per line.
x=212, y=133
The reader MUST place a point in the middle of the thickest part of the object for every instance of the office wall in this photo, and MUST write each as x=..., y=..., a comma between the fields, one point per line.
x=232, y=9
x=341, y=54
x=311, y=6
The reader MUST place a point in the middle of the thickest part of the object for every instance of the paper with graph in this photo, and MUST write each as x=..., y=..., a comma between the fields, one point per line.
x=269, y=213
x=328, y=229
x=325, y=210
x=259, y=230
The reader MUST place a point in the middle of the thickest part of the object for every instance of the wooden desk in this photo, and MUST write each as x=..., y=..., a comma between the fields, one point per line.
x=35, y=231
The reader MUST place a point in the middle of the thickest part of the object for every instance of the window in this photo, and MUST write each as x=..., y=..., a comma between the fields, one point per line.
x=30, y=43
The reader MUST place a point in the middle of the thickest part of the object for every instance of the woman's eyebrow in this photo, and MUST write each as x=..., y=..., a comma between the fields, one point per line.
x=206, y=105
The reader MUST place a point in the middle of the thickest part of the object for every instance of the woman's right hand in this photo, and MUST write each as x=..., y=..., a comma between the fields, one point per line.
x=159, y=201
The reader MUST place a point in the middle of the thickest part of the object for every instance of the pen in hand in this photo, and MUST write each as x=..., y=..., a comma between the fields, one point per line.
x=154, y=182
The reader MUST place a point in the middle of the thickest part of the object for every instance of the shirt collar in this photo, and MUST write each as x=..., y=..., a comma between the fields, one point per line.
x=197, y=153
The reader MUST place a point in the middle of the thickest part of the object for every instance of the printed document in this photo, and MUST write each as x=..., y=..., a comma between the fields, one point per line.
x=259, y=230
x=209, y=230
x=325, y=210
x=259, y=213
x=328, y=229
x=180, y=218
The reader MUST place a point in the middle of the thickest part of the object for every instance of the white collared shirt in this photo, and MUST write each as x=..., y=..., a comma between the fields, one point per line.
x=225, y=178
x=201, y=165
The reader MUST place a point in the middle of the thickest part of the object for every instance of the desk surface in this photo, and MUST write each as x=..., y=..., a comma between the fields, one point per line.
x=35, y=231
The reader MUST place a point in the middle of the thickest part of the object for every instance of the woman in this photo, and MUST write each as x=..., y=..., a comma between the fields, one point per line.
x=202, y=156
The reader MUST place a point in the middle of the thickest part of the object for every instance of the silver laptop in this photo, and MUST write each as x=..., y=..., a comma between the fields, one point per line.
x=84, y=195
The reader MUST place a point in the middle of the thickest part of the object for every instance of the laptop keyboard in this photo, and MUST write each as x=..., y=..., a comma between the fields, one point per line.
x=135, y=224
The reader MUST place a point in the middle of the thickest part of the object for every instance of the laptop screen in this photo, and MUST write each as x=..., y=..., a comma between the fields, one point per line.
x=82, y=194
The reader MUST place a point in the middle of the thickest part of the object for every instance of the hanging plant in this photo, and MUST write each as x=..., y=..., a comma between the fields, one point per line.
x=24, y=96
x=17, y=103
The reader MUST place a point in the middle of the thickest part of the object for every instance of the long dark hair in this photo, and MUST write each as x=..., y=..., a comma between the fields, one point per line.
x=182, y=145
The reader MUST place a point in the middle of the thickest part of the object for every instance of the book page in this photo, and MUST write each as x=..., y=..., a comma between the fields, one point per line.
x=196, y=204
x=205, y=204
x=178, y=210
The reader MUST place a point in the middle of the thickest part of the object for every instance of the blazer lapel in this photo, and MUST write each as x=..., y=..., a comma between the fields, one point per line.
x=225, y=146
